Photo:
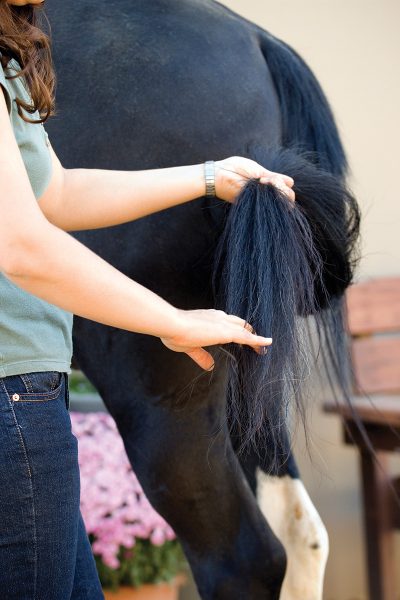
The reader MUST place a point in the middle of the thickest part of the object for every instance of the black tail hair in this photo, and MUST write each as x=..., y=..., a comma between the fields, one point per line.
x=277, y=263
x=307, y=119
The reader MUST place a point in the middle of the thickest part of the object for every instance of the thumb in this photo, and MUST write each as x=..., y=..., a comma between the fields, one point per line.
x=202, y=358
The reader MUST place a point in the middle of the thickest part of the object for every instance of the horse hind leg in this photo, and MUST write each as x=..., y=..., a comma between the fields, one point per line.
x=196, y=485
x=188, y=469
x=285, y=503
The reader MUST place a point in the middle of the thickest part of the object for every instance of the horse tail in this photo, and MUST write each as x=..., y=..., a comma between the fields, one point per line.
x=279, y=263
x=307, y=119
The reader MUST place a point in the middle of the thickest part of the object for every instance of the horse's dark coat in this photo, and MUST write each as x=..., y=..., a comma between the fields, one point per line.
x=158, y=83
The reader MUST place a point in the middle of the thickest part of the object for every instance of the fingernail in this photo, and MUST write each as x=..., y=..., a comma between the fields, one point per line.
x=264, y=350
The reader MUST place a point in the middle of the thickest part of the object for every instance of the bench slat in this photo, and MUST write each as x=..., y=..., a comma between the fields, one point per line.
x=376, y=363
x=380, y=410
x=374, y=306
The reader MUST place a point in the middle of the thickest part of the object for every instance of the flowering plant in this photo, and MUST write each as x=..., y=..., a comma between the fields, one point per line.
x=131, y=542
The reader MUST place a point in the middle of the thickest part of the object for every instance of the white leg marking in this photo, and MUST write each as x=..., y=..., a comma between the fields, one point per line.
x=294, y=520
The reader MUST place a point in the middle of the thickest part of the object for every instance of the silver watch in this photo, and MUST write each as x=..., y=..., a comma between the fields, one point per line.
x=209, y=173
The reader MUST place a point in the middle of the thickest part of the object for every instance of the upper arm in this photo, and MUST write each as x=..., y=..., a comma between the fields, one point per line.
x=51, y=200
x=20, y=216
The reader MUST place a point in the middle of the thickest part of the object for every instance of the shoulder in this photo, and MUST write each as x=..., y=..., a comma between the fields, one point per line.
x=13, y=87
x=4, y=85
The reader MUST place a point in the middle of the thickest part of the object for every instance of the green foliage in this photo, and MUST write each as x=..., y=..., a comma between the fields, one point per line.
x=144, y=563
x=79, y=384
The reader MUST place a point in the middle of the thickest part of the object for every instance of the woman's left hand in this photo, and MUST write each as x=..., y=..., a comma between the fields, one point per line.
x=232, y=173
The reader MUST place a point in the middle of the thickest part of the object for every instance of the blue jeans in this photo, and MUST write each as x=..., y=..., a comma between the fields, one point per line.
x=45, y=552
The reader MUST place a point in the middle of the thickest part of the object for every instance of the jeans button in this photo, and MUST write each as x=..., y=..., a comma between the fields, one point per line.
x=15, y=397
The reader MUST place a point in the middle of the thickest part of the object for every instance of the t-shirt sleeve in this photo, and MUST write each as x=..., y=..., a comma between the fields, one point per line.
x=4, y=87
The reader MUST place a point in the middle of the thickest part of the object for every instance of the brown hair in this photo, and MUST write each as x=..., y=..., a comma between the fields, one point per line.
x=22, y=38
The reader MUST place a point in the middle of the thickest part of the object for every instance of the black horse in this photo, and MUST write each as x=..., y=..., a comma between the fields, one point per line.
x=170, y=82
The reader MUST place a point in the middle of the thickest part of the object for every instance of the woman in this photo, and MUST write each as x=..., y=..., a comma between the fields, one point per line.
x=46, y=275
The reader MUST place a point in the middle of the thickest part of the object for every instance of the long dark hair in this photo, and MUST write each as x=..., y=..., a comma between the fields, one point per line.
x=279, y=264
x=23, y=38
x=283, y=266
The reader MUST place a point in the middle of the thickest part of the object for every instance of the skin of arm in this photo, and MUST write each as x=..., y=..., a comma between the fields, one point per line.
x=79, y=199
x=47, y=262
x=91, y=198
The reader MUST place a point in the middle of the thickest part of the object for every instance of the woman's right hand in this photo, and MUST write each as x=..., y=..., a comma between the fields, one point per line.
x=197, y=328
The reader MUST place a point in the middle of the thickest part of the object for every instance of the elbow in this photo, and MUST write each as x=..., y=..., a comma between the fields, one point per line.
x=14, y=264
x=20, y=257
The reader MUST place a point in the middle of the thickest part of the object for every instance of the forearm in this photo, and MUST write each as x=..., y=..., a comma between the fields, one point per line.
x=95, y=198
x=60, y=270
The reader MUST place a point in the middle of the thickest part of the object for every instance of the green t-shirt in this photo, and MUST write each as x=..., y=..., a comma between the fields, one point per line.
x=34, y=335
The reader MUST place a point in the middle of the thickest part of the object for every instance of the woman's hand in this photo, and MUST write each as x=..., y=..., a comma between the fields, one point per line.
x=199, y=328
x=232, y=173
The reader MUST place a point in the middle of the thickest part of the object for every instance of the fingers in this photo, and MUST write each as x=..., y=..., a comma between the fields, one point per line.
x=262, y=350
x=201, y=328
x=244, y=334
x=241, y=170
x=249, y=327
x=202, y=358
x=242, y=322
x=288, y=180
x=284, y=183
x=241, y=333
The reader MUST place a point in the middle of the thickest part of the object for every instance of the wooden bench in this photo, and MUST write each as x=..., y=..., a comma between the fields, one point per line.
x=374, y=325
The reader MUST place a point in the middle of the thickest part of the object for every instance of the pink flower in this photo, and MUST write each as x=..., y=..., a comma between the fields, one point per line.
x=157, y=536
x=113, y=505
